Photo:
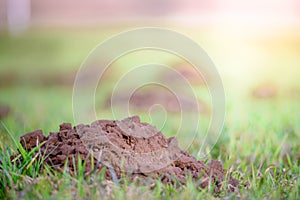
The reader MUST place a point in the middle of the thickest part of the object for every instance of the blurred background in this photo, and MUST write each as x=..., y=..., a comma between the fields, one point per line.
x=255, y=46
x=246, y=39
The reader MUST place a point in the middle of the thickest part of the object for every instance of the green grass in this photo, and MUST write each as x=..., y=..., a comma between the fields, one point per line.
x=259, y=143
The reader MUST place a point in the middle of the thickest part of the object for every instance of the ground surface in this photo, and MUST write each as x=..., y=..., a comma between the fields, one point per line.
x=259, y=144
x=125, y=147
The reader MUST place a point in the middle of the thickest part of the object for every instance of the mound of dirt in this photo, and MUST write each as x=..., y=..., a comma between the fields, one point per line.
x=129, y=146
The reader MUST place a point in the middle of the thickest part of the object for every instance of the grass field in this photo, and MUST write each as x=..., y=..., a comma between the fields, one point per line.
x=259, y=143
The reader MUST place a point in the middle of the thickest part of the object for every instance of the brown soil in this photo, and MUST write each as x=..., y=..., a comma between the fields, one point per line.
x=143, y=151
x=145, y=98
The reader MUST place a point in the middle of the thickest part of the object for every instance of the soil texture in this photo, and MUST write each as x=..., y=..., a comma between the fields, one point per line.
x=127, y=146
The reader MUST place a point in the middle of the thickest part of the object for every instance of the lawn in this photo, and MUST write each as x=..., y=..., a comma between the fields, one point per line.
x=259, y=142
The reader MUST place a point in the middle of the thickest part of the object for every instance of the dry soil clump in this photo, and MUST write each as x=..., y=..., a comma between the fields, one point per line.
x=129, y=146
